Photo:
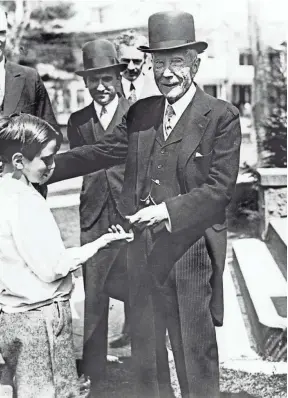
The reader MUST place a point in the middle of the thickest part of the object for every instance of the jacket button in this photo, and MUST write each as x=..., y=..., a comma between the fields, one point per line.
x=162, y=151
x=159, y=166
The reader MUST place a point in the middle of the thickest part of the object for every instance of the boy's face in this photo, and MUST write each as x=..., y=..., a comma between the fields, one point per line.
x=41, y=167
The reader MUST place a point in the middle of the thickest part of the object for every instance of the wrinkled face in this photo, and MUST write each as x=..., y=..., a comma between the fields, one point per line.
x=102, y=86
x=39, y=169
x=134, y=59
x=174, y=71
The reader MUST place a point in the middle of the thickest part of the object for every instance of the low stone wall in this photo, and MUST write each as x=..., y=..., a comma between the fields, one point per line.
x=272, y=199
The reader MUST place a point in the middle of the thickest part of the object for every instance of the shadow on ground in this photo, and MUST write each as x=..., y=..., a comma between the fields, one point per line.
x=119, y=384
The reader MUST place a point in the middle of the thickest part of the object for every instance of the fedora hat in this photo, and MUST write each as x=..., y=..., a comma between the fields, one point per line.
x=99, y=55
x=170, y=30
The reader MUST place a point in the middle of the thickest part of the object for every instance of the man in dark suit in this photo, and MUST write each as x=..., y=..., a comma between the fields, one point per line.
x=100, y=191
x=182, y=158
x=21, y=88
x=137, y=82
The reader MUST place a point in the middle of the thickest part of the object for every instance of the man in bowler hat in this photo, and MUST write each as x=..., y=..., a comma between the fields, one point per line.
x=182, y=157
x=100, y=192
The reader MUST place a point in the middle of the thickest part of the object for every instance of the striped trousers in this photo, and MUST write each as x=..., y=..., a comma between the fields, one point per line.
x=181, y=305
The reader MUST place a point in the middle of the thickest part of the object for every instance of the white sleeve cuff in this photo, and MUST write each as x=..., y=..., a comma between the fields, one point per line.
x=168, y=222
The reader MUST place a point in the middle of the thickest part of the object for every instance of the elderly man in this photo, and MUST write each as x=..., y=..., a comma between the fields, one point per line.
x=100, y=192
x=137, y=81
x=182, y=158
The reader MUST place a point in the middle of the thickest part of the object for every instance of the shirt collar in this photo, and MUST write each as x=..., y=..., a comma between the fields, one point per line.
x=111, y=107
x=180, y=105
x=138, y=83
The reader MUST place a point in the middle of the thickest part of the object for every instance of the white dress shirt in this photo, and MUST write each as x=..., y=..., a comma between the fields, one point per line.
x=105, y=119
x=180, y=106
x=34, y=264
x=2, y=80
x=138, y=84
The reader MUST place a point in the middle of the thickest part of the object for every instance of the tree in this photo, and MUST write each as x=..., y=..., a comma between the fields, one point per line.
x=19, y=12
x=46, y=13
x=23, y=15
x=275, y=125
x=268, y=92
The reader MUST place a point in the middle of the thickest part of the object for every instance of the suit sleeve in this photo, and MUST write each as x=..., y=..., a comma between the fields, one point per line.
x=73, y=134
x=44, y=108
x=204, y=206
x=107, y=152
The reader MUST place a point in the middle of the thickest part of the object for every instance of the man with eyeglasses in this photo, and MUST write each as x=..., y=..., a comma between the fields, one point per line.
x=137, y=80
x=100, y=194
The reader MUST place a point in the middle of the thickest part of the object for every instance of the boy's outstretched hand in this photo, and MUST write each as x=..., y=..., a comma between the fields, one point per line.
x=116, y=233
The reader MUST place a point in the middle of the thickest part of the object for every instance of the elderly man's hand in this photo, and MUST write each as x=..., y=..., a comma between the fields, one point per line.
x=150, y=216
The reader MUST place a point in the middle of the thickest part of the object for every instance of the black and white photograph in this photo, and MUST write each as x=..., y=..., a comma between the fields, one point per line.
x=143, y=199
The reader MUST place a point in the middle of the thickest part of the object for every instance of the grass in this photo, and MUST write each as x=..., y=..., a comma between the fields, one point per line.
x=233, y=384
x=119, y=381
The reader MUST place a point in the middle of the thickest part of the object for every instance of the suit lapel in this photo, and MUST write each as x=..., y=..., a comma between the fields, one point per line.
x=146, y=140
x=89, y=129
x=14, y=83
x=195, y=127
x=122, y=108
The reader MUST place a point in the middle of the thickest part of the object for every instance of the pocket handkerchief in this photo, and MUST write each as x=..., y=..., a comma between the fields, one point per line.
x=198, y=155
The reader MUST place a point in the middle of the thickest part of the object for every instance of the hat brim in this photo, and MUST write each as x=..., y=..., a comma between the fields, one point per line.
x=199, y=46
x=121, y=67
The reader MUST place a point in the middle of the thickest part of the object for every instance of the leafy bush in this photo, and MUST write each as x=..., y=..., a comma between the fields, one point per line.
x=276, y=123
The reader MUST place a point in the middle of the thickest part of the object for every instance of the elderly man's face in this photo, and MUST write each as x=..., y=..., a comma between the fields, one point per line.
x=102, y=86
x=134, y=60
x=174, y=71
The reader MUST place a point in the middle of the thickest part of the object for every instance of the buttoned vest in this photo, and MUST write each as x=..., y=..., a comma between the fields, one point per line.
x=161, y=180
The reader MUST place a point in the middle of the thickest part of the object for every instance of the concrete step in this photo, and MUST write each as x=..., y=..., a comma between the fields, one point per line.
x=66, y=187
x=276, y=241
x=262, y=286
x=233, y=340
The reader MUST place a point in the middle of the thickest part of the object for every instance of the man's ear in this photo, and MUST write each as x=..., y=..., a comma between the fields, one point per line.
x=17, y=161
x=195, y=66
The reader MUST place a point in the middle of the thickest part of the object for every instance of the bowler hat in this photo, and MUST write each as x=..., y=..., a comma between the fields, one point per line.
x=99, y=55
x=171, y=30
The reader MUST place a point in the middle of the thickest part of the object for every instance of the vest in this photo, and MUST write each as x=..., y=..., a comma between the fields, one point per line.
x=161, y=180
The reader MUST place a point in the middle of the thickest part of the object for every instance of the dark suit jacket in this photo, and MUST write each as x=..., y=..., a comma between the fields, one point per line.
x=212, y=128
x=25, y=92
x=83, y=129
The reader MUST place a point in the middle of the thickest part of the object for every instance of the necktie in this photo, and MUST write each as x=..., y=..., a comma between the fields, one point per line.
x=103, y=111
x=132, y=97
x=169, y=114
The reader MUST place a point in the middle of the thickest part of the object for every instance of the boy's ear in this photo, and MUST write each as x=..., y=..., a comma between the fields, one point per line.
x=17, y=161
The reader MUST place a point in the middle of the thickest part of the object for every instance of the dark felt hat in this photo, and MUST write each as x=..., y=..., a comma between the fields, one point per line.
x=99, y=55
x=171, y=30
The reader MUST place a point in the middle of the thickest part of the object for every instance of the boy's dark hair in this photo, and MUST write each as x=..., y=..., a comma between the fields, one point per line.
x=26, y=134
